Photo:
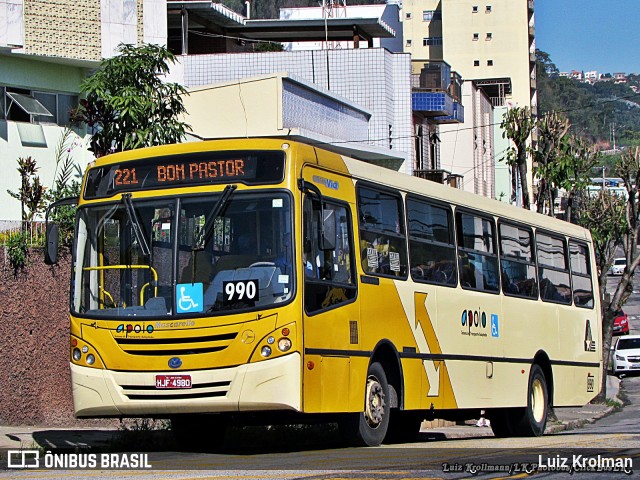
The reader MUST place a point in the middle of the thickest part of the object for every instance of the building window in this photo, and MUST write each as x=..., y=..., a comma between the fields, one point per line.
x=24, y=105
x=432, y=41
x=408, y=16
x=476, y=63
x=408, y=42
x=474, y=9
x=487, y=9
x=489, y=36
x=428, y=15
x=476, y=36
x=489, y=63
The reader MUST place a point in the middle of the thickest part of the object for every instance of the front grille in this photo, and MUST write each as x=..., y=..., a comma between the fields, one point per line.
x=197, y=390
x=175, y=345
x=633, y=359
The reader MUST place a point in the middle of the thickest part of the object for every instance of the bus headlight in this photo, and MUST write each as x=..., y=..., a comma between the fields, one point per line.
x=76, y=354
x=284, y=344
x=266, y=351
x=90, y=359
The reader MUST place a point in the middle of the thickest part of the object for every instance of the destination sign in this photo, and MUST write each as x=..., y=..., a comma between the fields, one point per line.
x=192, y=169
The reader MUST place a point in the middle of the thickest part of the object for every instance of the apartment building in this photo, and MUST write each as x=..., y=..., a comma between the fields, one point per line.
x=47, y=47
x=489, y=42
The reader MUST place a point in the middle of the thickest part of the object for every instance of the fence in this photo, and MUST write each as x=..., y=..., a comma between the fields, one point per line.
x=34, y=230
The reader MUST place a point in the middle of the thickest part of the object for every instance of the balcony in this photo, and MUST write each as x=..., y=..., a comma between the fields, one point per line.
x=432, y=104
x=433, y=76
x=441, y=176
x=456, y=117
x=435, y=92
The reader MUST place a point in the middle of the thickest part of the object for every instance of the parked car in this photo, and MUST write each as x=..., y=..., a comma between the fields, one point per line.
x=626, y=355
x=621, y=323
x=618, y=266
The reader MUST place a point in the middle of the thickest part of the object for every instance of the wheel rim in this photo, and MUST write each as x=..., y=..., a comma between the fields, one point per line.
x=374, y=405
x=537, y=400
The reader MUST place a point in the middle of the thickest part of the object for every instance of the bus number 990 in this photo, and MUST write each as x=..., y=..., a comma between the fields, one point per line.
x=240, y=290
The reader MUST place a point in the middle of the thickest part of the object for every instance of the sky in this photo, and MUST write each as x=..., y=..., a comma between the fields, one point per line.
x=602, y=35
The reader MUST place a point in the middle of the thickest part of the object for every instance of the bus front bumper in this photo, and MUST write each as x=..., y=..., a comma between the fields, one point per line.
x=268, y=385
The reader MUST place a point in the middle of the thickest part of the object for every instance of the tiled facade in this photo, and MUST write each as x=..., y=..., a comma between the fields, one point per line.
x=62, y=28
x=372, y=78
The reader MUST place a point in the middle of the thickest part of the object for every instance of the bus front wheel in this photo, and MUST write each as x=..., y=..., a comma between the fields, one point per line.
x=369, y=427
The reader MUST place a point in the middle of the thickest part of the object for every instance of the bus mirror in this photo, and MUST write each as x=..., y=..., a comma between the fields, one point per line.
x=328, y=240
x=51, y=250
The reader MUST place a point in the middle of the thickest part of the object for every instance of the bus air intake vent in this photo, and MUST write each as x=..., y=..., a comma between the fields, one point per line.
x=198, y=390
x=175, y=345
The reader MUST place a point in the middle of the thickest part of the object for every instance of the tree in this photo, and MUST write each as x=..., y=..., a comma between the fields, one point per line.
x=614, y=221
x=128, y=106
x=604, y=215
x=31, y=192
x=66, y=184
x=571, y=171
x=517, y=126
x=552, y=129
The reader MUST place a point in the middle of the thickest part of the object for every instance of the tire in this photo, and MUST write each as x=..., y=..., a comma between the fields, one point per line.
x=403, y=427
x=531, y=421
x=501, y=422
x=199, y=433
x=369, y=427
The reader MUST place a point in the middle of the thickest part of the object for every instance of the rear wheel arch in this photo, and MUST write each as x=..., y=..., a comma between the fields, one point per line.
x=542, y=360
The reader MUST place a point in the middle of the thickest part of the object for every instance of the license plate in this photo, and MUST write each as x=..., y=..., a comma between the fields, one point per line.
x=173, y=381
x=635, y=365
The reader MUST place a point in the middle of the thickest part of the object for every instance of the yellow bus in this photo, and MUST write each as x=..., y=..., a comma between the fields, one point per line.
x=267, y=279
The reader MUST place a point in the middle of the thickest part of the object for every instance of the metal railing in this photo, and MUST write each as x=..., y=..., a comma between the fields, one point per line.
x=35, y=231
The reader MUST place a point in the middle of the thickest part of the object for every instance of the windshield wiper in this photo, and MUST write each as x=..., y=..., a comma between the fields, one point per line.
x=213, y=214
x=135, y=224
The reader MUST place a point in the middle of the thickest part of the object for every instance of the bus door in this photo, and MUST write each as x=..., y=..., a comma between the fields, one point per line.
x=330, y=311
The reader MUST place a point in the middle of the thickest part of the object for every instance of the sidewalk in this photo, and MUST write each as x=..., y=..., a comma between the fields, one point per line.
x=91, y=438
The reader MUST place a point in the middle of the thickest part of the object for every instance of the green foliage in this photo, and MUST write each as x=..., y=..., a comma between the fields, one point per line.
x=31, y=192
x=66, y=184
x=592, y=109
x=268, y=47
x=127, y=104
x=17, y=250
x=552, y=129
x=517, y=126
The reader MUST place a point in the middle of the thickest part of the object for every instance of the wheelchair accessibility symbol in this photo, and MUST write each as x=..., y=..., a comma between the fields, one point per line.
x=189, y=297
x=495, y=332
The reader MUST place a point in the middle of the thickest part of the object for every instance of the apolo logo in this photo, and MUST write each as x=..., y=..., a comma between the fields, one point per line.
x=473, y=319
x=134, y=328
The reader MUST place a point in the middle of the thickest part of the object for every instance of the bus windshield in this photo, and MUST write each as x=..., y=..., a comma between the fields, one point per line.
x=197, y=255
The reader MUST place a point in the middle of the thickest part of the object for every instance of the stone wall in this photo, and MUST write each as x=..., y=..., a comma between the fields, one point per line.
x=35, y=384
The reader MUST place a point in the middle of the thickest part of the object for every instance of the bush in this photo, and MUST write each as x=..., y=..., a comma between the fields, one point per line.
x=17, y=251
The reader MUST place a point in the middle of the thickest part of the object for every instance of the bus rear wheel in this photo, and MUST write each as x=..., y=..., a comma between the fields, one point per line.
x=369, y=427
x=532, y=420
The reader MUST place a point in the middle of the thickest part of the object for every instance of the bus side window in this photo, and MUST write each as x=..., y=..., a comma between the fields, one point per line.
x=432, y=250
x=581, y=282
x=382, y=235
x=553, y=269
x=477, y=254
x=328, y=274
x=517, y=263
